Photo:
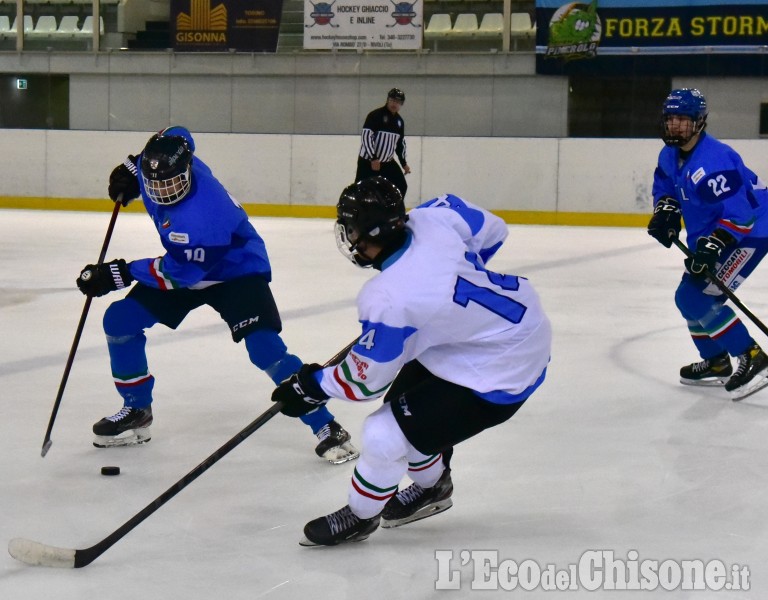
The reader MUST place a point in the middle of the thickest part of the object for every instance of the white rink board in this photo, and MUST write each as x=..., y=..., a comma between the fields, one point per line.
x=516, y=174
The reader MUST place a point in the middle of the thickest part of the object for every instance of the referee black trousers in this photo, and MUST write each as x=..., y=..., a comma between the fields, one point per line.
x=389, y=170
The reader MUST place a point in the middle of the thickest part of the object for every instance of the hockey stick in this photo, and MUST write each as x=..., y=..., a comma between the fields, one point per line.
x=47, y=442
x=724, y=288
x=36, y=553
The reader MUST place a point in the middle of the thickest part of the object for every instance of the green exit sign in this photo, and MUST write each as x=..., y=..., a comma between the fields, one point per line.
x=21, y=84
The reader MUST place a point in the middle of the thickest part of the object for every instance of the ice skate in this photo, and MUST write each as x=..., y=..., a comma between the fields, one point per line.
x=415, y=502
x=130, y=426
x=710, y=371
x=335, y=445
x=751, y=375
x=338, y=528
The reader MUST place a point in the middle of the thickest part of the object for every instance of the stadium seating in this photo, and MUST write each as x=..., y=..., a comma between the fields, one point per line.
x=491, y=25
x=28, y=27
x=68, y=26
x=45, y=27
x=521, y=27
x=87, y=28
x=465, y=25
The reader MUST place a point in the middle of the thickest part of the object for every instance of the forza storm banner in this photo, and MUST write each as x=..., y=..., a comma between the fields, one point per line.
x=658, y=36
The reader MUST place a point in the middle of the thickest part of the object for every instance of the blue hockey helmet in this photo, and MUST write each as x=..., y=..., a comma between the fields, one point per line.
x=685, y=102
x=166, y=168
x=369, y=211
x=180, y=131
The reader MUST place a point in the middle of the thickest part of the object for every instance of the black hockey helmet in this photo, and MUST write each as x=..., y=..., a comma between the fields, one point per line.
x=685, y=102
x=166, y=165
x=397, y=94
x=371, y=210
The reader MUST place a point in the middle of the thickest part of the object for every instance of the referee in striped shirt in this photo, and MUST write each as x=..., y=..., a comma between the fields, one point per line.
x=382, y=139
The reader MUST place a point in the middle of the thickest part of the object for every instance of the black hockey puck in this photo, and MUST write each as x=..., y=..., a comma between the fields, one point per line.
x=110, y=470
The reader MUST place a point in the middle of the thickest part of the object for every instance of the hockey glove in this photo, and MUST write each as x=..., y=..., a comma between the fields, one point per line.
x=124, y=181
x=300, y=393
x=97, y=280
x=708, y=250
x=665, y=223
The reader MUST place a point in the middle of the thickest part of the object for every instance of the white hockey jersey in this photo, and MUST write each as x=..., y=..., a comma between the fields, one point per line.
x=434, y=301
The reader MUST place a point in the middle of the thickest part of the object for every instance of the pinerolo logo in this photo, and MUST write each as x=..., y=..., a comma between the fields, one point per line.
x=203, y=24
x=322, y=14
x=403, y=14
x=574, y=31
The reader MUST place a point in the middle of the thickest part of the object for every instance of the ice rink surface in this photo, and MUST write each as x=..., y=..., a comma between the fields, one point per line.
x=611, y=454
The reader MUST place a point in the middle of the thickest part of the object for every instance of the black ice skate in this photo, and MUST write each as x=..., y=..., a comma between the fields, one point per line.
x=415, y=502
x=711, y=371
x=130, y=426
x=751, y=375
x=335, y=445
x=338, y=528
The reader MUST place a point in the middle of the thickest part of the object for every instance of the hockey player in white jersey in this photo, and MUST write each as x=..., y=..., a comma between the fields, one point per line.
x=457, y=349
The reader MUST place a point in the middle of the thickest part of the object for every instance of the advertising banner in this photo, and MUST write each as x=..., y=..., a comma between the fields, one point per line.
x=363, y=24
x=218, y=25
x=655, y=36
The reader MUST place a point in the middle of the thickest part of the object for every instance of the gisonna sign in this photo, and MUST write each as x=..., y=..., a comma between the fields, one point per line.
x=220, y=25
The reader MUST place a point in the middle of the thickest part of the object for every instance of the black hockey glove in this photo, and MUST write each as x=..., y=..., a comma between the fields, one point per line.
x=300, y=393
x=97, y=280
x=665, y=223
x=124, y=180
x=708, y=250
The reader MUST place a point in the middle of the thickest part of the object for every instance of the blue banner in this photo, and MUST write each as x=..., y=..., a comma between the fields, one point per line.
x=218, y=25
x=570, y=31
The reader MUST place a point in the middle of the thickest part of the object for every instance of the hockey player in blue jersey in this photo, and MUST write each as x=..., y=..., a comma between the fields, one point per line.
x=454, y=347
x=213, y=256
x=725, y=209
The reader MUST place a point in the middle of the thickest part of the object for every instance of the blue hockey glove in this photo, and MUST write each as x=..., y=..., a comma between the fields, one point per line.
x=97, y=280
x=708, y=250
x=124, y=182
x=665, y=224
x=300, y=393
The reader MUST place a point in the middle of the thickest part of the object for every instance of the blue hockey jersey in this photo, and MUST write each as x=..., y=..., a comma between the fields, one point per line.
x=715, y=190
x=207, y=238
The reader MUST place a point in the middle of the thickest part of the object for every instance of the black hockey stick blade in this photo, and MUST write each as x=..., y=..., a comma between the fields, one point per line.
x=47, y=441
x=724, y=288
x=46, y=446
x=39, y=554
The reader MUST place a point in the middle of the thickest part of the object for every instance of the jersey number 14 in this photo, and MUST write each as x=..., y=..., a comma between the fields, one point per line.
x=465, y=292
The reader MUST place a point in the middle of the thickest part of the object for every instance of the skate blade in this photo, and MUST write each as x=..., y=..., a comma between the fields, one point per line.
x=427, y=511
x=132, y=437
x=704, y=382
x=307, y=543
x=341, y=454
x=741, y=393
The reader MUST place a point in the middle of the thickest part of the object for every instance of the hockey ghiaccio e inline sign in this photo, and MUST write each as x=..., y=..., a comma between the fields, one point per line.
x=594, y=570
x=363, y=25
